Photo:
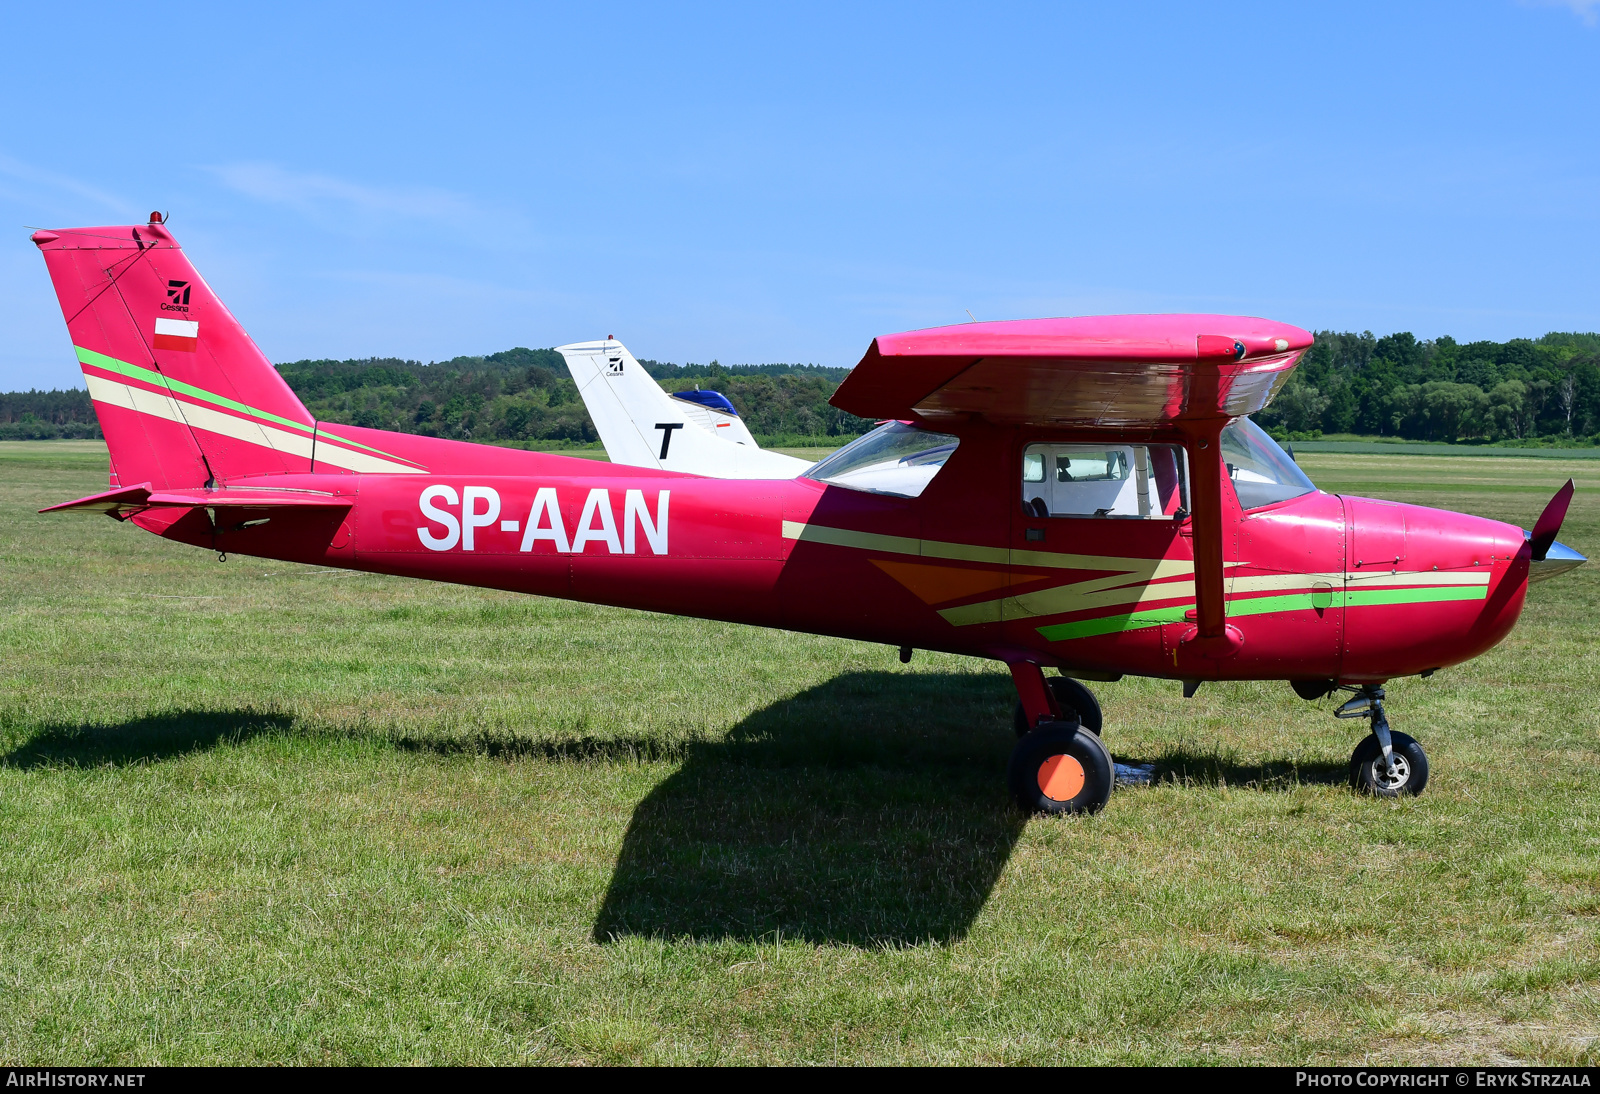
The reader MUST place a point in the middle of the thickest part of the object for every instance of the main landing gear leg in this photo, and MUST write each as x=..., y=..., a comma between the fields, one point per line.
x=1073, y=700
x=1033, y=697
x=1057, y=766
x=1386, y=763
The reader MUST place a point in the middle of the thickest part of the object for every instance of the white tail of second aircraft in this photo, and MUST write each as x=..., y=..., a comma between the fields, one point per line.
x=642, y=426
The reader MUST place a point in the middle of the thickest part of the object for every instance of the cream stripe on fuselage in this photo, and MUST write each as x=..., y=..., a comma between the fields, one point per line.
x=971, y=552
x=157, y=405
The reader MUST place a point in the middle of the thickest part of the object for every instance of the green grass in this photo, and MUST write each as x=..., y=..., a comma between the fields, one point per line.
x=1395, y=446
x=258, y=812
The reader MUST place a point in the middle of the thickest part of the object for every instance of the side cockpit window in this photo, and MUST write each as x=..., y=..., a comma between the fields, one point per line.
x=1262, y=473
x=1074, y=480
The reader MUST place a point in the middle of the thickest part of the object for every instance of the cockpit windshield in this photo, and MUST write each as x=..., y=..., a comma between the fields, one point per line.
x=896, y=458
x=1262, y=473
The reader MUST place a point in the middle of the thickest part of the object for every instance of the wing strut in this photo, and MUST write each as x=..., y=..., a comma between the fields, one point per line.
x=1212, y=636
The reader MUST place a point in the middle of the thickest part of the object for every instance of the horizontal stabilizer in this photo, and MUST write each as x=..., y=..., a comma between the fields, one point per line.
x=132, y=499
x=108, y=501
x=712, y=412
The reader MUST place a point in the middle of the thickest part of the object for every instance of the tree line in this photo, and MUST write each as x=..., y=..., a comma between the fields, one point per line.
x=517, y=397
x=1525, y=391
x=526, y=396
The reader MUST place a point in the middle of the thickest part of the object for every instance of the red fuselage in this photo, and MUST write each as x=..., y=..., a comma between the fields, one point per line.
x=1319, y=586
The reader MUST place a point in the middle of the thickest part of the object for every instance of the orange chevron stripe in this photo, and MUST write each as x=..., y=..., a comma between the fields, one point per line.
x=937, y=584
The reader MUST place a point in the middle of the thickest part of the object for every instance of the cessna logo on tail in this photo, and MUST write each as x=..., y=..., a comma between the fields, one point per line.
x=480, y=509
x=614, y=366
x=177, y=296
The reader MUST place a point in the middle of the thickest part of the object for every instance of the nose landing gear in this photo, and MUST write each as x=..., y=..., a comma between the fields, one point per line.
x=1386, y=763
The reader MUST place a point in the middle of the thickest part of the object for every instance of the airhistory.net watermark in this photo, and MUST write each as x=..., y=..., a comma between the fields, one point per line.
x=54, y=1078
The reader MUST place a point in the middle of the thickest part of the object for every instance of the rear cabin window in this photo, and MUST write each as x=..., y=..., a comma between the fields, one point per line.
x=1074, y=480
x=897, y=459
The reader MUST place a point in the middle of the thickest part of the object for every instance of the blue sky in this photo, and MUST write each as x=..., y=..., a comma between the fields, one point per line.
x=764, y=183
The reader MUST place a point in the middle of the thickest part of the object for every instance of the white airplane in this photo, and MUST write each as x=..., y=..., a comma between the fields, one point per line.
x=697, y=432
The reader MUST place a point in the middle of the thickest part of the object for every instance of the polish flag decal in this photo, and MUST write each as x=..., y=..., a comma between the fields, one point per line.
x=179, y=334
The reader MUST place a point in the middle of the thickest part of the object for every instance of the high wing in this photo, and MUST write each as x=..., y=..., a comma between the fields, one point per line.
x=1183, y=376
x=1109, y=371
x=642, y=426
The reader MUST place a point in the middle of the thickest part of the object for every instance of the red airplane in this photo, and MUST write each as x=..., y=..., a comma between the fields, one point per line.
x=1084, y=494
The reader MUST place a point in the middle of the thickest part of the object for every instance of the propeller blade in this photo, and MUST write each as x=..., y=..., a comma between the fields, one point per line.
x=1549, y=522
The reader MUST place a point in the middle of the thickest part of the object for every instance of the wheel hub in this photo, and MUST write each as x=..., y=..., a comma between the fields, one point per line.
x=1395, y=776
x=1061, y=778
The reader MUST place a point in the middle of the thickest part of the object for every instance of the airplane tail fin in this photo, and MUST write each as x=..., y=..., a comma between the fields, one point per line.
x=184, y=397
x=642, y=426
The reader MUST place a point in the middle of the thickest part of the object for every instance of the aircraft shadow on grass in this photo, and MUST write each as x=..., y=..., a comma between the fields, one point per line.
x=865, y=810
x=868, y=810
x=1195, y=767
x=150, y=739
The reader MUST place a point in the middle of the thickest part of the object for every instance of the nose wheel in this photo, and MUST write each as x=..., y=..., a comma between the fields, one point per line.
x=1386, y=763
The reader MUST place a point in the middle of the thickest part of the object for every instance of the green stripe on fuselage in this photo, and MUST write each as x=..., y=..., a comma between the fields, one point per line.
x=1263, y=605
x=1372, y=598
x=1111, y=624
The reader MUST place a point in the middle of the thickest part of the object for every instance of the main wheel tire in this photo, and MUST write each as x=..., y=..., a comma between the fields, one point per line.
x=1061, y=768
x=1367, y=771
x=1075, y=701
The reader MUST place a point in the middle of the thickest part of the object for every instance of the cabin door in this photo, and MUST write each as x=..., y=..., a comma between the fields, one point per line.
x=1094, y=535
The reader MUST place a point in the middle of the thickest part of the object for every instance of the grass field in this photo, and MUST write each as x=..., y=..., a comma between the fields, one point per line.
x=1416, y=448
x=260, y=812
